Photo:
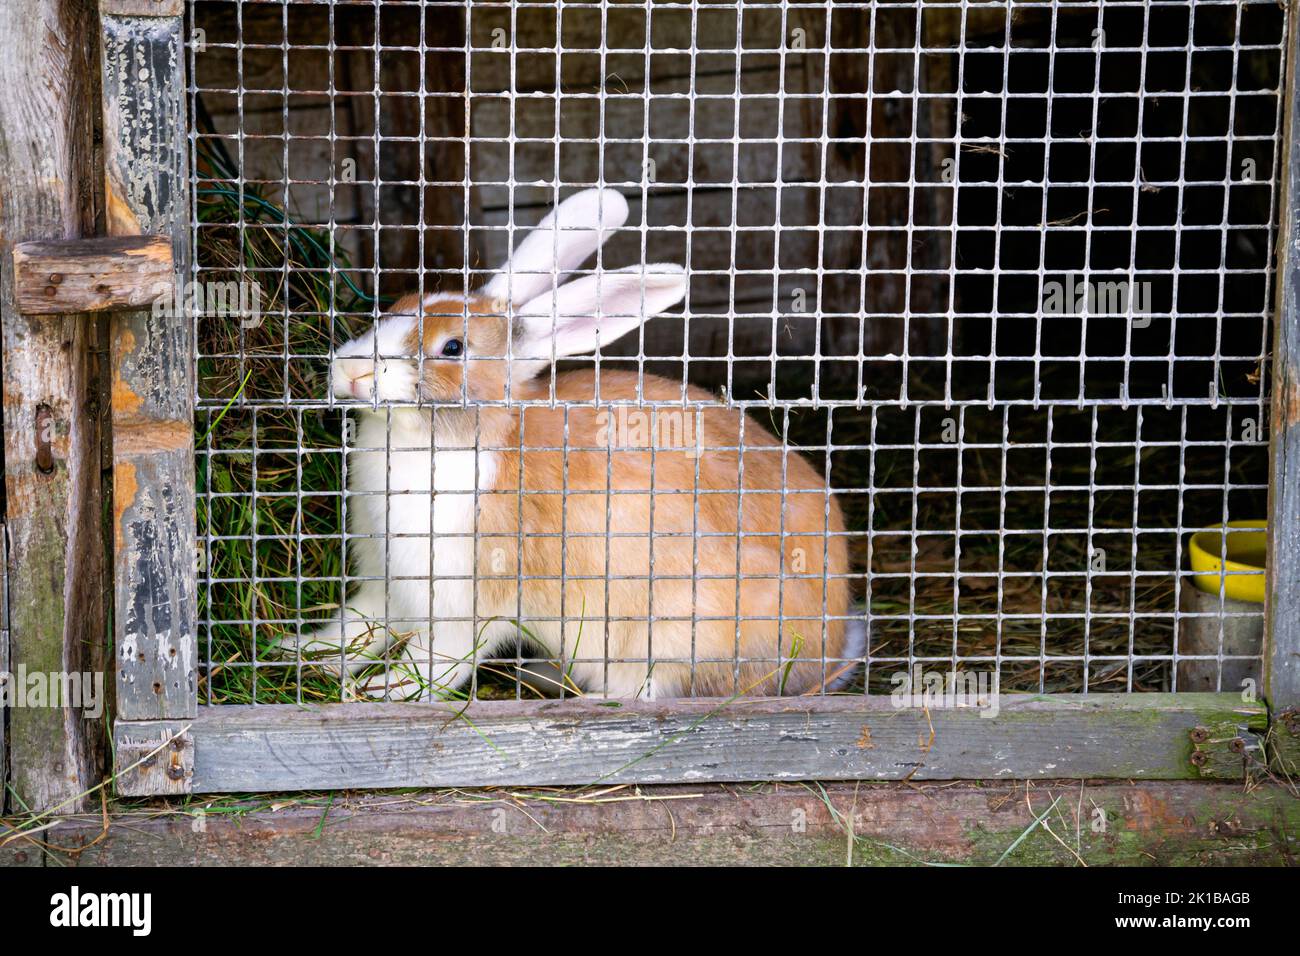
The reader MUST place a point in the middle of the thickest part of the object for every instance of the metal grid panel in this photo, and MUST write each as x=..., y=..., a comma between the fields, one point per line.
x=885, y=212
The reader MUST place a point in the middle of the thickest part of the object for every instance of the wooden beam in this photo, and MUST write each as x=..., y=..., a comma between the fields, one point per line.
x=1282, y=611
x=154, y=555
x=142, y=8
x=154, y=758
x=500, y=743
x=52, y=425
x=58, y=277
x=1146, y=823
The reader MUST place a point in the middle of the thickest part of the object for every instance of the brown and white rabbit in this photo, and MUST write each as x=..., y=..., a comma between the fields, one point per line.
x=635, y=594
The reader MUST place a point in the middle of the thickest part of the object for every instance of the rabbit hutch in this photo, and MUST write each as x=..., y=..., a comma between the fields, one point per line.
x=990, y=310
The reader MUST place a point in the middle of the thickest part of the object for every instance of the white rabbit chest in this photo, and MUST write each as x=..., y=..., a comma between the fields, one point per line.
x=408, y=496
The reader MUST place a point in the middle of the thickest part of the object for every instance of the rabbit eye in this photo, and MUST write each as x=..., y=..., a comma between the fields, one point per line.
x=453, y=348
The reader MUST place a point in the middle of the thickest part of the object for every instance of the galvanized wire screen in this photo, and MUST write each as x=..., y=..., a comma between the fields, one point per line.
x=990, y=284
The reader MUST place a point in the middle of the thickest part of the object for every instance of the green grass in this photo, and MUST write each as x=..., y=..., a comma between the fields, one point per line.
x=263, y=553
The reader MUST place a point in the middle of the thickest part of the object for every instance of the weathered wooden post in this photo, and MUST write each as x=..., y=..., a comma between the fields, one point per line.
x=154, y=557
x=54, y=281
x=51, y=404
x=1282, y=611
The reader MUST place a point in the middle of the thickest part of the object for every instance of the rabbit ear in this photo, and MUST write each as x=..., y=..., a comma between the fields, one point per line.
x=595, y=310
x=570, y=233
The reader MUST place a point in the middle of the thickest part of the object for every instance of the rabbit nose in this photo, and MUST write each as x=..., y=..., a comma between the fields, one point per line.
x=361, y=386
x=351, y=382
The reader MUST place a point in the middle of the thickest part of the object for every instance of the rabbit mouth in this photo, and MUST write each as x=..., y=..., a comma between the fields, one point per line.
x=356, y=386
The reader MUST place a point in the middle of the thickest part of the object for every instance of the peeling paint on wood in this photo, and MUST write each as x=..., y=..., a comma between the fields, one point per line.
x=126, y=403
x=124, y=492
x=155, y=607
x=1140, y=736
x=91, y=275
x=52, y=427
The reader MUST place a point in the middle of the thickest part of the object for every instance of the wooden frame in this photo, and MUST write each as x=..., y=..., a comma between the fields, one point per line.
x=283, y=747
x=154, y=552
x=165, y=743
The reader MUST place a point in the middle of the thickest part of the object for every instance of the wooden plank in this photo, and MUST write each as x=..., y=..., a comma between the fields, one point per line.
x=145, y=149
x=1282, y=612
x=154, y=758
x=1145, y=823
x=21, y=851
x=57, y=277
x=497, y=743
x=142, y=8
x=51, y=436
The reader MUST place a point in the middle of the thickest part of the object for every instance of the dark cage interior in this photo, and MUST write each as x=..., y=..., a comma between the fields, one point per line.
x=878, y=205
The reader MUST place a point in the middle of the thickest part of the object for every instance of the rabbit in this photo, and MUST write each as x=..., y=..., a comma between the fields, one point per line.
x=524, y=531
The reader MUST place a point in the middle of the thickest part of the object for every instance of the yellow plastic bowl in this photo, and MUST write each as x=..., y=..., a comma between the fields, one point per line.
x=1245, y=552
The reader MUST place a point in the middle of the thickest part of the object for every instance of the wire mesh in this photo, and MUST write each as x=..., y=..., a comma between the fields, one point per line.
x=997, y=277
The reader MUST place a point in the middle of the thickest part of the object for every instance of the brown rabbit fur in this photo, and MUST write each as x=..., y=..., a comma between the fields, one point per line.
x=562, y=522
